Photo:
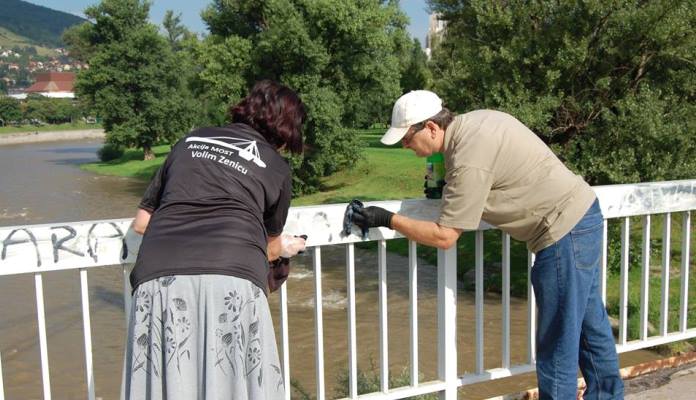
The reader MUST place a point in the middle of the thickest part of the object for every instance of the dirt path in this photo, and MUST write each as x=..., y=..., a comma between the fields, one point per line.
x=49, y=136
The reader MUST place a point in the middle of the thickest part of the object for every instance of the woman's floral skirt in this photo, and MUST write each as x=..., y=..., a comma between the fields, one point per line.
x=201, y=337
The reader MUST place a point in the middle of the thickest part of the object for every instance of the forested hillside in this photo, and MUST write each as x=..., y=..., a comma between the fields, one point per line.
x=39, y=24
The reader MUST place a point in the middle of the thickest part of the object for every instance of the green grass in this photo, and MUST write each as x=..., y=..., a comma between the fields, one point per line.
x=385, y=173
x=131, y=164
x=48, y=128
x=9, y=39
x=654, y=305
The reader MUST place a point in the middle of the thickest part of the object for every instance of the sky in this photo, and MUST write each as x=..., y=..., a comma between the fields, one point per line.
x=191, y=9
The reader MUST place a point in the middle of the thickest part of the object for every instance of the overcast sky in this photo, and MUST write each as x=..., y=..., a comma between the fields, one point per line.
x=191, y=9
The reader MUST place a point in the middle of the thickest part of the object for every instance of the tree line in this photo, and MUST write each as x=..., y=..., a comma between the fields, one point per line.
x=608, y=85
x=36, y=109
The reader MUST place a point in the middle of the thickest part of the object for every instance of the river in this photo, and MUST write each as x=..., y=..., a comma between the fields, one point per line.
x=41, y=183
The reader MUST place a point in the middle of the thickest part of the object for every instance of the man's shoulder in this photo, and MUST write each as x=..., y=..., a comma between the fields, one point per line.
x=478, y=122
x=485, y=114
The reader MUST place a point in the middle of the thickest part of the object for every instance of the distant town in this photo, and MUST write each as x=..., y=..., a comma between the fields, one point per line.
x=21, y=68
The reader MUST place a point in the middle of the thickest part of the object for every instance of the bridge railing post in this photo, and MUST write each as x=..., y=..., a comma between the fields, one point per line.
x=447, y=321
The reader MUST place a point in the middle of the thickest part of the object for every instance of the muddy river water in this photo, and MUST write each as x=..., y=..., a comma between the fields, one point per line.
x=42, y=183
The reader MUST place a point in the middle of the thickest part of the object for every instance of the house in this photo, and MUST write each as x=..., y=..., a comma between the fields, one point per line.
x=54, y=84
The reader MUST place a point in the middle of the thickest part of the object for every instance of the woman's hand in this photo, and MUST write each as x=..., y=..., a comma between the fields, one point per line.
x=291, y=245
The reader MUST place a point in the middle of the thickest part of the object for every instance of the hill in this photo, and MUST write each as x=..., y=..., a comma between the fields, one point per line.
x=39, y=25
x=9, y=40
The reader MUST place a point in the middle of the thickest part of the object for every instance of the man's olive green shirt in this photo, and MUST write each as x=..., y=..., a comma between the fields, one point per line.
x=499, y=171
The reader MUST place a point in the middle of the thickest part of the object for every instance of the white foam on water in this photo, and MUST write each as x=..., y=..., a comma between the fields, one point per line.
x=333, y=300
x=301, y=274
x=5, y=214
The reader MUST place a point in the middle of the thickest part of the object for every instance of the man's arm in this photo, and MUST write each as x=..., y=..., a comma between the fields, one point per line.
x=425, y=232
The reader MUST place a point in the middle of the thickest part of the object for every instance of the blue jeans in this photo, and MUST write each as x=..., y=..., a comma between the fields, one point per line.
x=573, y=327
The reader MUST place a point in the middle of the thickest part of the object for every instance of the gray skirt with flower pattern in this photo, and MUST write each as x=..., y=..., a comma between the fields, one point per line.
x=201, y=337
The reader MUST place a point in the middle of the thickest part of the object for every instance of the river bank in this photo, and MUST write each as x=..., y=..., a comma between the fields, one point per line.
x=50, y=136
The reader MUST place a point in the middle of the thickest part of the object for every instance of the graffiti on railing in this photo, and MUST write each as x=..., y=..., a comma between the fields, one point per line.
x=86, y=243
x=9, y=241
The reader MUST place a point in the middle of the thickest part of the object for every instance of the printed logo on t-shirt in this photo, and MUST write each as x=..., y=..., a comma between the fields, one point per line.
x=216, y=150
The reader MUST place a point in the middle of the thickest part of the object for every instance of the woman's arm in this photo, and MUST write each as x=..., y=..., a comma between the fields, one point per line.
x=274, y=247
x=142, y=219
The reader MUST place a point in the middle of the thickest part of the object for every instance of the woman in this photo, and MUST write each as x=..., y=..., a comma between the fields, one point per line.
x=200, y=326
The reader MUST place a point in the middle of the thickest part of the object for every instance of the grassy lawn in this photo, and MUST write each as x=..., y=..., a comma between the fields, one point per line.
x=388, y=173
x=385, y=173
x=48, y=128
x=131, y=164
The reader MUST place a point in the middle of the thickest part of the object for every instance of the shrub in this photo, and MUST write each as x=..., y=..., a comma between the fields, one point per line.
x=110, y=152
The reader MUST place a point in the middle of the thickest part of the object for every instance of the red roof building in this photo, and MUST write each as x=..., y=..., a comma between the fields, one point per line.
x=52, y=82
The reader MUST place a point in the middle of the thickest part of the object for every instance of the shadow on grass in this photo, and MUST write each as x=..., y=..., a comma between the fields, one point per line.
x=137, y=155
x=373, y=142
x=371, y=137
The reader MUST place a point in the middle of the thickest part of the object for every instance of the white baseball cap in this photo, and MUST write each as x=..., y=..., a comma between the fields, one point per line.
x=413, y=107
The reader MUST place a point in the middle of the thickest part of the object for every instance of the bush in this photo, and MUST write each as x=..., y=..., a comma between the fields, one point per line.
x=10, y=109
x=110, y=152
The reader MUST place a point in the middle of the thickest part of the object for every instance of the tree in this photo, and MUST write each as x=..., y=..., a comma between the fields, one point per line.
x=35, y=108
x=222, y=79
x=176, y=33
x=134, y=82
x=415, y=74
x=10, y=110
x=339, y=55
x=609, y=85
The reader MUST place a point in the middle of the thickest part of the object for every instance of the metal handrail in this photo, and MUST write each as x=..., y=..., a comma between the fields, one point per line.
x=36, y=249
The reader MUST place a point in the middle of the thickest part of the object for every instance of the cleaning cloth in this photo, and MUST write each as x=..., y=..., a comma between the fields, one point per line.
x=353, y=206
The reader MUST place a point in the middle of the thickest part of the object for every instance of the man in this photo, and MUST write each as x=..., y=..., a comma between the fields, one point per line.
x=500, y=171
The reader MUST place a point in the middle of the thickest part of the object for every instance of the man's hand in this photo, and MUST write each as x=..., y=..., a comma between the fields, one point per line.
x=371, y=217
x=291, y=245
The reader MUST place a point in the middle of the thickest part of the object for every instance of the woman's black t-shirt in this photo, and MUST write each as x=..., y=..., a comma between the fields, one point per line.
x=215, y=200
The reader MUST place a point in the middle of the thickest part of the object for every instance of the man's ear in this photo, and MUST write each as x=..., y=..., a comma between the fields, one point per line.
x=433, y=128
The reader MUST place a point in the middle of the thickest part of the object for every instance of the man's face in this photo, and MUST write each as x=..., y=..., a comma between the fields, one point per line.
x=418, y=141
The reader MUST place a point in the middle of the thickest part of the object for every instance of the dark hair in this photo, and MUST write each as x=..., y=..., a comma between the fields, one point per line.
x=276, y=112
x=442, y=119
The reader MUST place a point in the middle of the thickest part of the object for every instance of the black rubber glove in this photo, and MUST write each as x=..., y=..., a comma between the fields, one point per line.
x=371, y=217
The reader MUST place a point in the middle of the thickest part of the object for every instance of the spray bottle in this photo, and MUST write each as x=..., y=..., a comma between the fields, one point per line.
x=434, y=176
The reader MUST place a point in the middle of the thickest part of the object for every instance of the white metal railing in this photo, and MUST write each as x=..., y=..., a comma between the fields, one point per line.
x=37, y=249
